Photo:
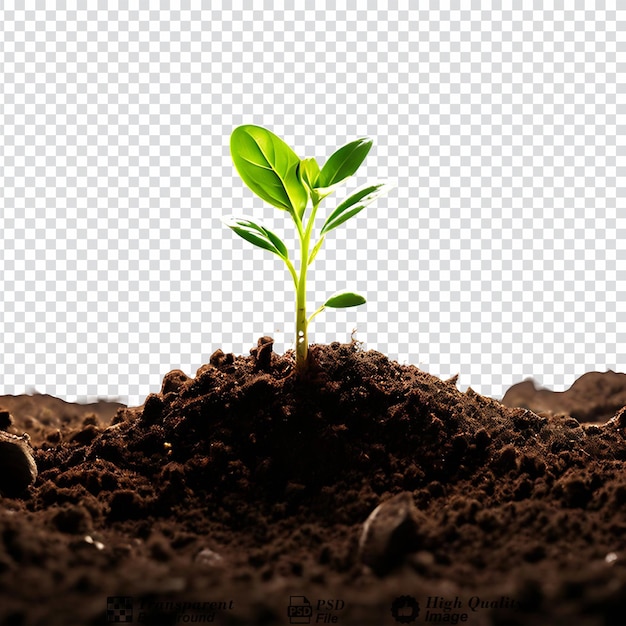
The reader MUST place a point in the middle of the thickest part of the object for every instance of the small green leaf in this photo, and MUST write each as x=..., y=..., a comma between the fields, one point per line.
x=353, y=205
x=344, y=299
x=258, y=235
x=318, y=245
x=269, y=167
x=310, y=170
x=344, y=162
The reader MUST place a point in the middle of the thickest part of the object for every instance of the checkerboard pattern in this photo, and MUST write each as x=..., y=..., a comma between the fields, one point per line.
x=119, y=609
x=500, y=255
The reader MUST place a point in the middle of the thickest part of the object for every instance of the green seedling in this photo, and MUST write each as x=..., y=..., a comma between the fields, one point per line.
x=275, y=173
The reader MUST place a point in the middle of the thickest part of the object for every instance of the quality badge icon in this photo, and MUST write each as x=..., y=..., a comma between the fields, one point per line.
x=405, y=609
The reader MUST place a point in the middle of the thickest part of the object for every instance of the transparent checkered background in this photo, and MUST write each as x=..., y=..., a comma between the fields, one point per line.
x=500, y=255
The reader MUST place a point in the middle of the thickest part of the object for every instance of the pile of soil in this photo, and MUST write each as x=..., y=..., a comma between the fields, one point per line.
x=367, y=492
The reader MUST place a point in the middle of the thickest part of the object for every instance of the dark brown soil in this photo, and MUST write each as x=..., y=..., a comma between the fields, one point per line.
x=245, y=496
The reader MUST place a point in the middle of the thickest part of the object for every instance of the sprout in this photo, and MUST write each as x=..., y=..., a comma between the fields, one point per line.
x=275, y=173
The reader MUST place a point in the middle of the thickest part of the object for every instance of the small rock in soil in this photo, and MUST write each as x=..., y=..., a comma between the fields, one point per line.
x=209, y=558
x=86, y=435
x=263, y=353
x=390, y=532
x=17, y=466
x=219, y=359
x=173, y=381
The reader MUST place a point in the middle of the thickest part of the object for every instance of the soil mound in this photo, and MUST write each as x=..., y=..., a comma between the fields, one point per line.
x=373, y=490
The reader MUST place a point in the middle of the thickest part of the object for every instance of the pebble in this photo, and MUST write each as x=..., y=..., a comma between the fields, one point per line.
x=173, y=381
x=98, y=545
x=263, y=353
x=390, y=532
x=17, y=466
x=209, y=558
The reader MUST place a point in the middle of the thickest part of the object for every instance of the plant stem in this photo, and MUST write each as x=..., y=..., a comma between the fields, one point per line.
x=302, y=341
x=302, y=344
x=316, y=312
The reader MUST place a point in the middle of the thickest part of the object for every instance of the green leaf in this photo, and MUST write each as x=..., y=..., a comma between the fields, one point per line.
x=269, y=167
x=310, y=170
x=344, y=299
x=344, y=162
x=313, y=254
x=353, y=205
x=258, y=235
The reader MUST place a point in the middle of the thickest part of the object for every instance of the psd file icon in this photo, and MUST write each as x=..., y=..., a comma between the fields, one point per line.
x=299, y=610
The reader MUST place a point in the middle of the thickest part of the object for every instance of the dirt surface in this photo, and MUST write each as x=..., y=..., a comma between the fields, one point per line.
x=46, y=418
x=369, y=493
x=594, y=397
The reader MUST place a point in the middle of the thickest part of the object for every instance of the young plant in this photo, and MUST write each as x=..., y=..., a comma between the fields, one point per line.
x=275, y=173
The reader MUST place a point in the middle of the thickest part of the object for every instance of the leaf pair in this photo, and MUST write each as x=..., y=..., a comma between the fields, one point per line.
x=353, y=205
x=258, y=235
x=277, y=175
x=264, y=238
